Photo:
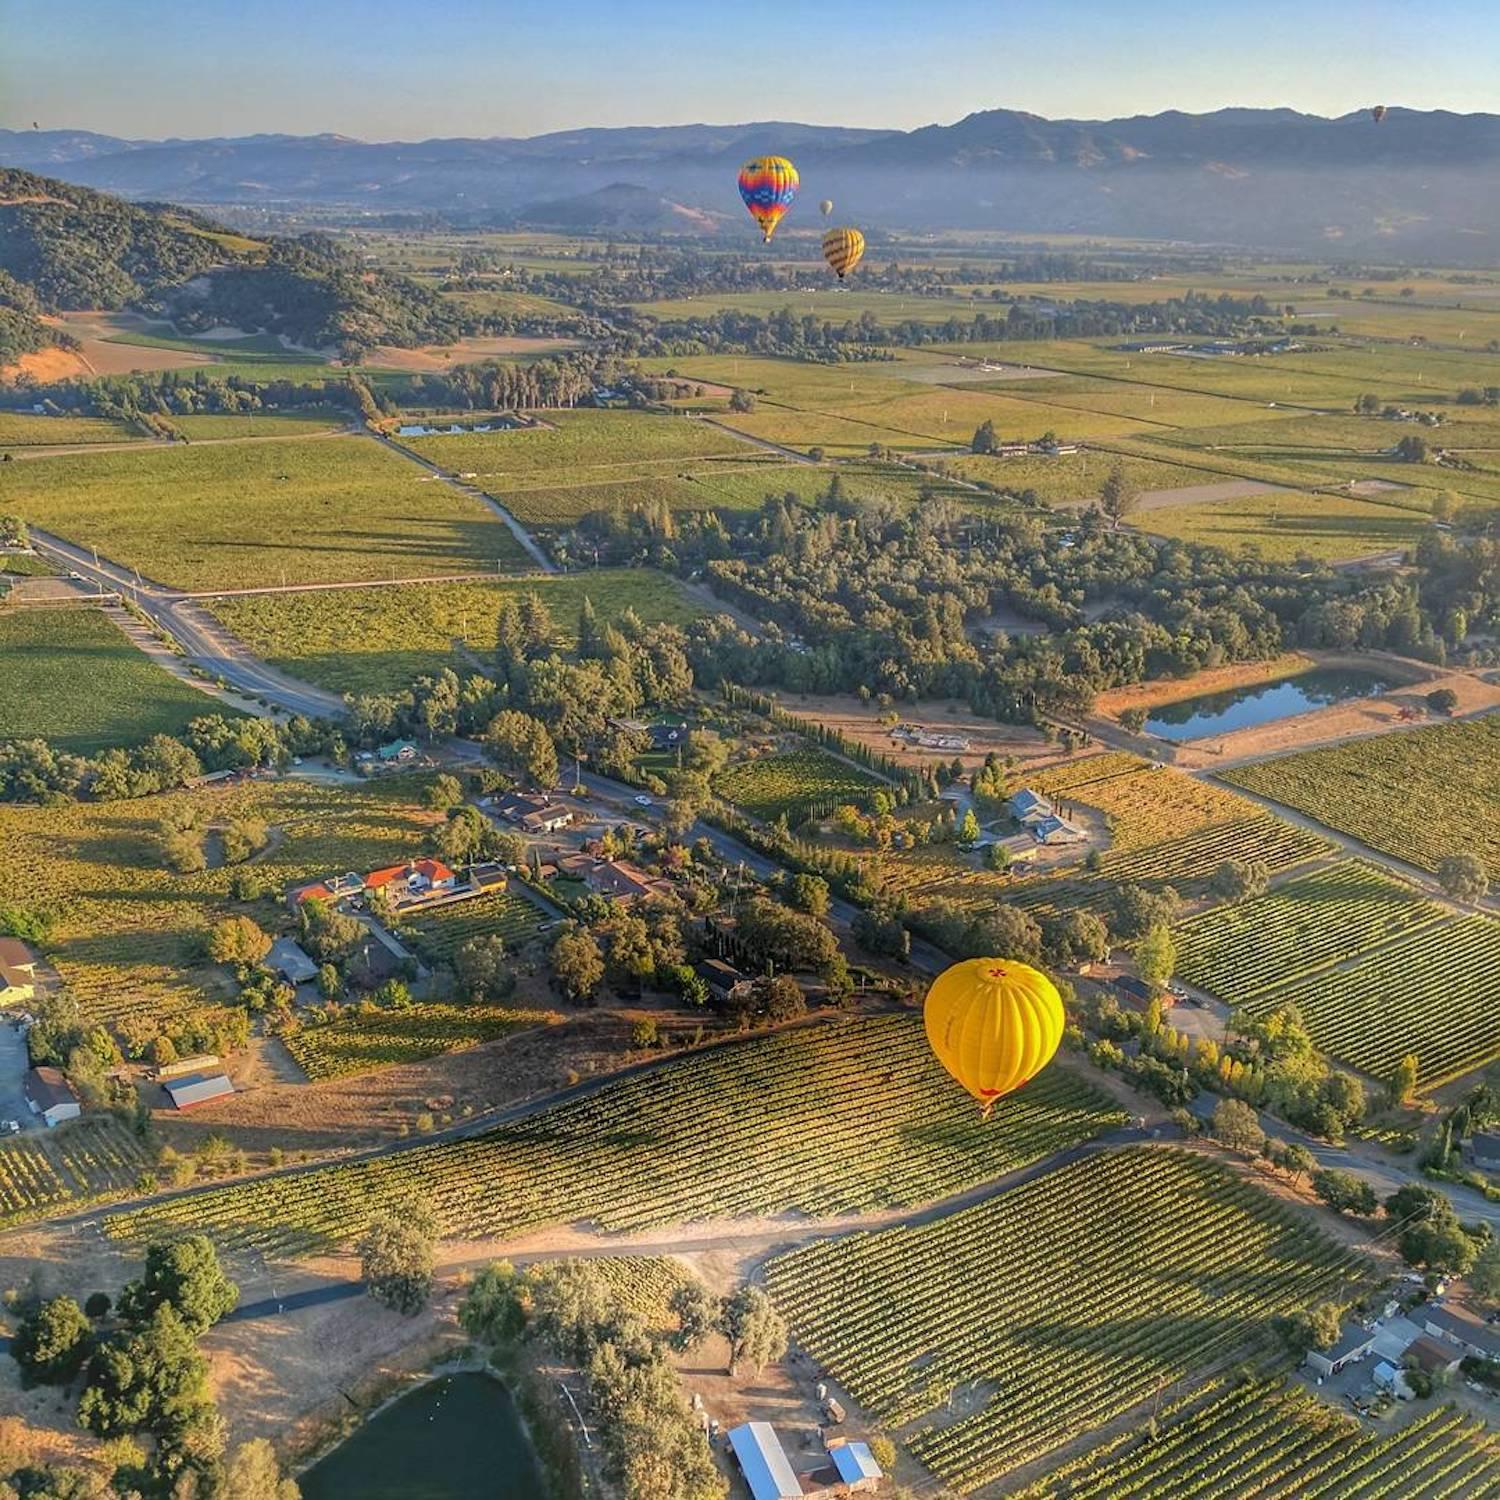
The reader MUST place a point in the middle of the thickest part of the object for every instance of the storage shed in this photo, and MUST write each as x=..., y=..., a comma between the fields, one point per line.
x=197, y=1088
x=764, y=1463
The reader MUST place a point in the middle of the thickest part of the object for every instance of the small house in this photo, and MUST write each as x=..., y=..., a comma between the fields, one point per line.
x=1020, y=848
x=720, y=977
x=429, y=875
x=50, y=1095
x=17, y=986
x=1457, y=1325
x=288, y=959
x=621, y=881
x=398, y=753
x=1354, y=1343
x=317, y=891
x=197, y=1088
x=667, y=736
x=1482, y=1148
x=856, y=1467
x=546, y=820
x=763, y=1461
x=1433, y=1355
x=488, y=877
x=534, y=814
x=1134, y=991
x=16, y=956
x=1028, y=807
x=1055, y=830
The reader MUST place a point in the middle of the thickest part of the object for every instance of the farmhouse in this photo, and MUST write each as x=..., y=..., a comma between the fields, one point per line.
x=764, y=1463
x=857, y=1470
x=398, y=753
x=318, y=891
x=410, y=881
x=16, y=956
x=621, y=881
x=1134, y=990
x=1028, y=807
x=667, y=736
x=1483, y=1150
x=1055, y=830
x=720, y=977
x=1354, y=1343
x=1459, y=1326
x=1433, y=1355
x=287, y=959
x=51, y=1096
x=535, y=814
x=1020, y=848
x=197, y=1088
x=16, y=986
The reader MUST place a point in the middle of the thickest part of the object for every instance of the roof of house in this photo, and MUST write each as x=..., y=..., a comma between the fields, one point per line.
x=17, y=979
x=764, y=1463
x=515, y=805
x=434, y=869
x=197, y=1088
x=47, y=1088
x=1460, y=1324
x=287, y=958
x=1054, y=824
x=1027, y=800
x=14, y=954
x=317, y=891
x=620, y=879
x=377, y=878
x=854, y=1462
x=1138, y=988
x=1431, y=1354
x=1352, y=1338
x=1386, y=1372
x=395, y=749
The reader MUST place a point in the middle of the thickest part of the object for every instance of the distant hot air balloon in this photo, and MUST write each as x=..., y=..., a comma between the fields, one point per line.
x=842, y=249
x=768, y=184
x=826, y=207
x=1378, y=113
x=994, y=1024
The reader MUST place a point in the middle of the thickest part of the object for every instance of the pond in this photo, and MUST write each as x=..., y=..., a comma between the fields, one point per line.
x=421, y=429
x=1262, y=702
x=456, y=1438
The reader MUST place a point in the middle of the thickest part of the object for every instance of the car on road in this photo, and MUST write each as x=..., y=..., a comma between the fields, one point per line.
x=10, y=1127
x=643, y=801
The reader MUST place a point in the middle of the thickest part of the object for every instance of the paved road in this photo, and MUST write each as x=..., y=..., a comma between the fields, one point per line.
x=528, y=542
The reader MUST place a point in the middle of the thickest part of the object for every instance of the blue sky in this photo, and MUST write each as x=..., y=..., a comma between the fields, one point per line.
x=383, y=71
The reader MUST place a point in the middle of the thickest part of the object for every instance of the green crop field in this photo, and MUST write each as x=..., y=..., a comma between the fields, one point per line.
x=1432, y=994
x=26, y=565
x=1060, y=1304
x=26, y=430
x=245, y=514
x=835, y=1117
x=70, y=677
x=1307, y=924
x=378, y=640
x=64, y=1169
x=440, y=931
x=362, y=1040
x=1284, y=526
x=128, y=933
x=259, y=424
x=1277, y=1441
x=1418, y=794
x=793, y=782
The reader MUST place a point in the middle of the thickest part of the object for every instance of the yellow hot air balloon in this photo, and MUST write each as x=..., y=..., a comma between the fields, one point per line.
x=842, y=249
x=994, y=1024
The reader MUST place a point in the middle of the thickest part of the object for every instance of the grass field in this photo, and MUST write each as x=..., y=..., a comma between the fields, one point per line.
x=829, y=1118
x=793, y=782
x=26, y=565
x=359, y=1041
x=259, y=424
x=25, y=430
x=1056, y=1306
x=1419, y=794
x=70, y=677
x=1277, y=1441
x=1301, y=927
x=1431, y=993
x=128, y=933
x=80, y=1163
x=379, y=640
x=245, y=514
x=440, y=931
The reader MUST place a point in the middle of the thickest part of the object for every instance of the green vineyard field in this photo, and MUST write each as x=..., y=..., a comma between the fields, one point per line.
x=1244, y=950
x=792, y=783
x=831, y=1118
x=1056, y=1306
x=440, y=931
x=1274, y=1441
x=77, y=1164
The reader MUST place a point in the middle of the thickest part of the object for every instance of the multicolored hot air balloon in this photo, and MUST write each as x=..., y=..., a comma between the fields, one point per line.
x=826, y=207
x=1378, y=113
x=842, y=249
x=994, y=1024
x=768, y=184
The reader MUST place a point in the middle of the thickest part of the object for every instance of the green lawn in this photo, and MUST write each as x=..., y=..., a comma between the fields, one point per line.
x=70, y=677
x=378, y=640
x=259, y=424
x=27, y=430
x=247, y=514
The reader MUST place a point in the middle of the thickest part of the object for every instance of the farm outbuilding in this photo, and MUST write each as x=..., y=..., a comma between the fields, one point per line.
x=764, y=1463
x=857, y=1470
x=1353, y=1344
x=50, y=1095
x=197, y=1088
x=287, y=959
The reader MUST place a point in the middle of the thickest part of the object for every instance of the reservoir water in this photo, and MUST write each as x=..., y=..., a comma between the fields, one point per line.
x=1263, y=702
x=456, y=1438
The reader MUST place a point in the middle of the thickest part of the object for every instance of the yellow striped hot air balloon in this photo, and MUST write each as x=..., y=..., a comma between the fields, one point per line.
x=994, y=1023
x=842, y=249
